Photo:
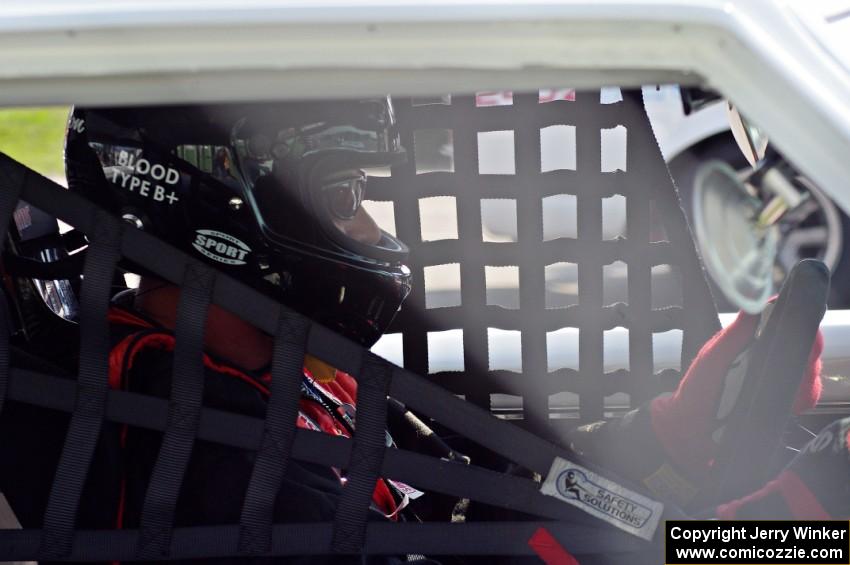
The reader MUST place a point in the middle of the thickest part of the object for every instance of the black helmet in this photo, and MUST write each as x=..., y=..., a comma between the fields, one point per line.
x=270, y=193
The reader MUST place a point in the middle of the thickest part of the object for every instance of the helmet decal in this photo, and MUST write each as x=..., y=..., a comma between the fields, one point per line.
x=76, y=124
x=139, y=175
x=221, y=247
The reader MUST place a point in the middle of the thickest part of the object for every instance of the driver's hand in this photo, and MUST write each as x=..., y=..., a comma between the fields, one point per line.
x=667, y=444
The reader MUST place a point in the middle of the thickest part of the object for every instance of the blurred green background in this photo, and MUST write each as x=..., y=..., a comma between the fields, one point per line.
x=35, y=137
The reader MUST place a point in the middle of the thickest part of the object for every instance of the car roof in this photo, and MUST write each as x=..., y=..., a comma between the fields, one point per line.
x=765, y=56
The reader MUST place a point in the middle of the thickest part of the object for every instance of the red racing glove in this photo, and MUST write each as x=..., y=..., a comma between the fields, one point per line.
x=667, y=444
x=685, y=421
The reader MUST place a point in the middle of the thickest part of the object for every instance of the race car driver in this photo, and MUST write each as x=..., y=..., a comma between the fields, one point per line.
x=271, y=194
x=290, y=178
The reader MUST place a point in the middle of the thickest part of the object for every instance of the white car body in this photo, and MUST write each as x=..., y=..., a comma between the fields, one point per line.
x=675, y=131
x=57, y=51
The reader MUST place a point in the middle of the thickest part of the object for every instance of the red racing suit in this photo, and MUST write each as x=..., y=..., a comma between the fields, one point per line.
x=217, y=477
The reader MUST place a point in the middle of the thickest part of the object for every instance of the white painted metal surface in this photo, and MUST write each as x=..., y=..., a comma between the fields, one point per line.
x=675, y=131
x=759, y=53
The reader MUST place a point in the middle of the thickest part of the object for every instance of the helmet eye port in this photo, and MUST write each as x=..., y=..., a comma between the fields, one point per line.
x=343, y=198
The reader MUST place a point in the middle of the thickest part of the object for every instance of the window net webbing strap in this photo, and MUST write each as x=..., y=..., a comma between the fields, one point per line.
x=245, y=432
x=92, y=386
x=255, y=534
x=8, y=201
x=184, y=413
x=655, y=248
x=494, y=538
x=366, y=457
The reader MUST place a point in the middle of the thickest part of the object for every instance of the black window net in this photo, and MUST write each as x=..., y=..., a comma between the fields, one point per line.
x=184, y=419
x=593, y=249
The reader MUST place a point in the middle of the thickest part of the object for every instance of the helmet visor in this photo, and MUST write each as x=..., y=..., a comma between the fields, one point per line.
x=365, y=226
x=316, y=169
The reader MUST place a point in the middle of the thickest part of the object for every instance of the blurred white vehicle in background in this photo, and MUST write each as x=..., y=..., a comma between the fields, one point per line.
x=816, y=229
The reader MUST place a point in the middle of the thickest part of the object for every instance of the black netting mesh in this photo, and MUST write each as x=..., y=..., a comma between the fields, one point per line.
x=545, y=304
x=569, y=289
